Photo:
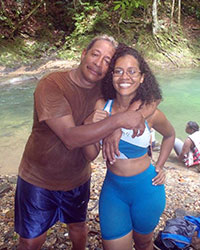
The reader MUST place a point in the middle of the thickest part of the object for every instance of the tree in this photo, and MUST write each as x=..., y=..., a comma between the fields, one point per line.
x=179, y=12
x=172, y=11
x=155, y=24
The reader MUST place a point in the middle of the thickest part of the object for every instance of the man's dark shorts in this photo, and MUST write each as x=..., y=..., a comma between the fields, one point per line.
x=37, y=209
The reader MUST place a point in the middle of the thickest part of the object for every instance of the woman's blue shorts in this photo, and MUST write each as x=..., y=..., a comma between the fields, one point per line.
x=37, y=209
x=130, y=203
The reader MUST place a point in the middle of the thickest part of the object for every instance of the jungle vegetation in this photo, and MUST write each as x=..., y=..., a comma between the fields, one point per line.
x=165, y=31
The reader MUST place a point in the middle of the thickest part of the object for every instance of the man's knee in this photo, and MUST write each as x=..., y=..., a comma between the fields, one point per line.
x=78, y=235
x=78, y=228
x=31, y=244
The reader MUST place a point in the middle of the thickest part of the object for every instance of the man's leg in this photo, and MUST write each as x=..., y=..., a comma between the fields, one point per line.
x=73, y=212
x=78, y=235
x=35, y=213
x=32, y=244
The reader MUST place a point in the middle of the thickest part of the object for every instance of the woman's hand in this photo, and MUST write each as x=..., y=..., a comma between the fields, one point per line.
x=96, y=116
x=111, y=146
x=160, y=177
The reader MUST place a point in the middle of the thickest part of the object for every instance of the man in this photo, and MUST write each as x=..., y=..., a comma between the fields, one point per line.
x=54, y=176
x=189, y=151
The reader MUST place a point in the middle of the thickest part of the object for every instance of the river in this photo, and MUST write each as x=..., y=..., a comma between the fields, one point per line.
x=181, y=103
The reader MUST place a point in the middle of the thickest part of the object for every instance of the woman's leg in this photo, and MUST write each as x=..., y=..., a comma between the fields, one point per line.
x=114, y=214
x=125, y=243
x=178, y=145
x=148, y=205
x=143, y=241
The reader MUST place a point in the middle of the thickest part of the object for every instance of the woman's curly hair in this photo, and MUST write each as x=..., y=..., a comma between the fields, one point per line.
x=147, y=92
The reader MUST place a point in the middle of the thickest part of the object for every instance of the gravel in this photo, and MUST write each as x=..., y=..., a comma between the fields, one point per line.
x=182, y=194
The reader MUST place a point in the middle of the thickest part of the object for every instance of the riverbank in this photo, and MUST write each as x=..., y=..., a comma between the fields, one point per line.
x=29, y=73
x=35, y=72
x=182, y=194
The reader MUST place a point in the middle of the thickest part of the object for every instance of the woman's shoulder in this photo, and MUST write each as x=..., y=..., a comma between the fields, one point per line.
x=100, y=103
x=157, y=117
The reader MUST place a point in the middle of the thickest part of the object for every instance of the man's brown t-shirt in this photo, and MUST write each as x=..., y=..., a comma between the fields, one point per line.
x=46, y=161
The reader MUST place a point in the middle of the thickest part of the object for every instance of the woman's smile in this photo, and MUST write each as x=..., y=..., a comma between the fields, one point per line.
x=125, y=85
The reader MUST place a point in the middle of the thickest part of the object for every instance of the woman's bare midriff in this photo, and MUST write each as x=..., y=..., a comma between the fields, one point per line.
x=130, y=167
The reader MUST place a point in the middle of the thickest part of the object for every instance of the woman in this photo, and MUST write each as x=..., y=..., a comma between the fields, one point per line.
x=132, y=197
x=189, y=151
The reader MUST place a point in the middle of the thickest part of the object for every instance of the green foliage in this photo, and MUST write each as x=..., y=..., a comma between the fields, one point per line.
x=127, y=7
x=23, y=52
x=32, y=30
x=191, y=8
x=86, y=22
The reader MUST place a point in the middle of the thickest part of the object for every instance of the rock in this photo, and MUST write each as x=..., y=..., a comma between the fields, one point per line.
x=12, y=179
x=4, y=188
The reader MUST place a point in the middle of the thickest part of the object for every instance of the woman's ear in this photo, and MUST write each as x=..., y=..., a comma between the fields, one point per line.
x=142, y=78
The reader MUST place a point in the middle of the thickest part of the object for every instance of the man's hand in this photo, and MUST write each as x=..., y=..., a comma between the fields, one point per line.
x=147, y=110
x=133, y=120
x=111, y=146
x=130, y=120
x=96, y=116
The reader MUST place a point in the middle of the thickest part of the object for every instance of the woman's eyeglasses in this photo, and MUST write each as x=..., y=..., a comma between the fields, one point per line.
x=130, y=71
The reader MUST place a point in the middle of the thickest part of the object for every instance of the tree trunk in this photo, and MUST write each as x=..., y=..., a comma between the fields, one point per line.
x=172, y=11
x=155, y=25
x=179, y=12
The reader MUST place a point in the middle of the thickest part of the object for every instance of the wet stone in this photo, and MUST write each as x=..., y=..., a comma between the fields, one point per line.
x=4, y=188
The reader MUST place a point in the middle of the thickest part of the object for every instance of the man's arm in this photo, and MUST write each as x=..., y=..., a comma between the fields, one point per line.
x=78, y=136
x=91, y=151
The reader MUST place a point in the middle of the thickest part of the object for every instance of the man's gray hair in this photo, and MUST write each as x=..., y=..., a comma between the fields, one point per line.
x=102, y=37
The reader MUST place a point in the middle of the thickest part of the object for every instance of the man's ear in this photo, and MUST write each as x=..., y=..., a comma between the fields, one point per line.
x=84, y=52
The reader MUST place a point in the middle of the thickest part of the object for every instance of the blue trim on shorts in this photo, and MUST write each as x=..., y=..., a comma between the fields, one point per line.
x=37, y=209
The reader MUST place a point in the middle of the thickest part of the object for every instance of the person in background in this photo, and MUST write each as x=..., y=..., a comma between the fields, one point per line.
x=132, y=197
x=152, y=143
x=54, y=175
x=189, y=150
x=153, y=138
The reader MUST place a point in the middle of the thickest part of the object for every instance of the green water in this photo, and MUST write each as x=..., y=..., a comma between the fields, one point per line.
x=181, y=103
x=16, y=104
